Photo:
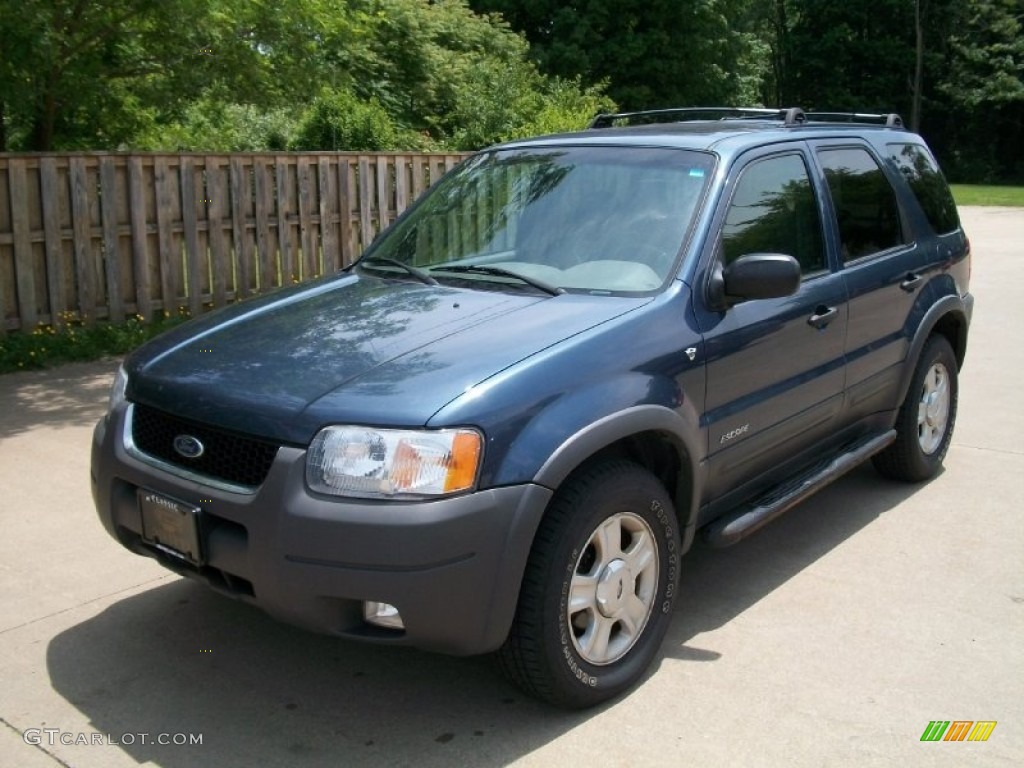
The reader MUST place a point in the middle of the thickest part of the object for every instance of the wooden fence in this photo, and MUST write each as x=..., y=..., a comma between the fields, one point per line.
x=107, y=236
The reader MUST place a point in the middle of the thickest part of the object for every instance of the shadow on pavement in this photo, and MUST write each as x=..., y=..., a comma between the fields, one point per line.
x=181, y=659
x=74, y=394
x=719, y=584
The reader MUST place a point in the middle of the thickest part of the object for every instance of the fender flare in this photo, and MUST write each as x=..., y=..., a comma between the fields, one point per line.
x=683, y=434
x=956, y=307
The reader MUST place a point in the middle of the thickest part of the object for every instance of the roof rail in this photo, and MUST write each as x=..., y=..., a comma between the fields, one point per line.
x=789, y=117
x=888, y=119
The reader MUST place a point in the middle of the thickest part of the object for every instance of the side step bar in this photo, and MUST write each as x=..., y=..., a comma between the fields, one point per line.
x=733, y=526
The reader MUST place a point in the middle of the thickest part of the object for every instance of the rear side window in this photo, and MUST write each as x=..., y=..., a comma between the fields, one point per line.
x=928, y=185
x=774, y=210
x=865, y=202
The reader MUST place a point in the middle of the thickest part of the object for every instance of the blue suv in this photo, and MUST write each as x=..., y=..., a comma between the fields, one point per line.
x=504, y=425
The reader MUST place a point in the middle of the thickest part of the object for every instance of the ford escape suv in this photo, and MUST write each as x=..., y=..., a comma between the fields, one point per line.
x=503, y=426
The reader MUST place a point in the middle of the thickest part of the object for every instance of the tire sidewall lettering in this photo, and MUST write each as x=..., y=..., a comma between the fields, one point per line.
x=662, y=522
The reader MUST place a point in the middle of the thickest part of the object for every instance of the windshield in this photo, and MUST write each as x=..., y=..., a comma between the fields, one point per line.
x=590, y=219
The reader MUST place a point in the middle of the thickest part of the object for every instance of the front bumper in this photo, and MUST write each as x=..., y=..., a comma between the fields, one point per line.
x=452, y=567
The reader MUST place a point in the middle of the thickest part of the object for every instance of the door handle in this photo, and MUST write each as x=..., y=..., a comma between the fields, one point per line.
x=910, y=282
x=822, y=316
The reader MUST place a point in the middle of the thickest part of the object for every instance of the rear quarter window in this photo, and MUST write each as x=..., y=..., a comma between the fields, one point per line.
x=866, y=209
x=926, y=181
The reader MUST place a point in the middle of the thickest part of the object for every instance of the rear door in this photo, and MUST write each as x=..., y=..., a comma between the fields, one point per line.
x=883, y=269
x=775, y=367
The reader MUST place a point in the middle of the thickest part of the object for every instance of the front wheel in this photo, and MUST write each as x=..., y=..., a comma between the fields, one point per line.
x=598, y=589
x=924, y=425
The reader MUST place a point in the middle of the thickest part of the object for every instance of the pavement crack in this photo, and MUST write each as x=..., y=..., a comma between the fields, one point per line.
x=1006, y=451
x=30, y=742
x=36, y=620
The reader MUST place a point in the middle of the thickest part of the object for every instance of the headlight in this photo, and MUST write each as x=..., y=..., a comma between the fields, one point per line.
x=361, y=461
x=117, y=389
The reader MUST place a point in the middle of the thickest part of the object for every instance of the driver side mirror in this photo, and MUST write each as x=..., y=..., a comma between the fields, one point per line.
x=755, y=276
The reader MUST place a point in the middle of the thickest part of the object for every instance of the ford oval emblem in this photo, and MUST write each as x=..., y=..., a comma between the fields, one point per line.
x=188, y=446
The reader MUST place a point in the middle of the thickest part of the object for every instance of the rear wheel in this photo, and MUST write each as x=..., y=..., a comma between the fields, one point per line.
x=598, y=590
x=924, y=426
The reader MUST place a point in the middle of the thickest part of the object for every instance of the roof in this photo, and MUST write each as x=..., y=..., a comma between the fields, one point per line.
x=739, y=127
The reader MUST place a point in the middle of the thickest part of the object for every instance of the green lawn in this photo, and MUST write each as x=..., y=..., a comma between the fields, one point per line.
x=976, y=194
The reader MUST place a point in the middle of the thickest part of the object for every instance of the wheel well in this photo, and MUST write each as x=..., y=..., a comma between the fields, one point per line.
x=663, y=457
x=953, y=327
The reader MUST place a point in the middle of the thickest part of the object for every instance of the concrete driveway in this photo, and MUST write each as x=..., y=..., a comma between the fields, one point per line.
x=833, y=637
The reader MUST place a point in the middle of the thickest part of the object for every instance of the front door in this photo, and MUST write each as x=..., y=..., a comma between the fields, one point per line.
x=775, y=367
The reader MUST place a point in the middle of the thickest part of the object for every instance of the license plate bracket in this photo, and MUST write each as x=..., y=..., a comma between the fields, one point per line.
x=171, y=526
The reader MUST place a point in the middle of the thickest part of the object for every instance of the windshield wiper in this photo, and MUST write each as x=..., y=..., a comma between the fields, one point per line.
x=416, y=272
x=480, y=269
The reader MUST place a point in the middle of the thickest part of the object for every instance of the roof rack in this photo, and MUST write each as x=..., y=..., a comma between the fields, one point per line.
x=889, y=119
x=789, y=117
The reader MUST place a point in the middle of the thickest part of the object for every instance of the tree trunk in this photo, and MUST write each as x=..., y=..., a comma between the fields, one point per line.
x=780, y=62
x=915, y=110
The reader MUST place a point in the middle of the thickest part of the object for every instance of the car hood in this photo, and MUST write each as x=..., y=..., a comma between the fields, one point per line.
x=351, y=349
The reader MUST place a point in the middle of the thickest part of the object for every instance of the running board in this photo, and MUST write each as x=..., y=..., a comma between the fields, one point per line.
x=733, y=526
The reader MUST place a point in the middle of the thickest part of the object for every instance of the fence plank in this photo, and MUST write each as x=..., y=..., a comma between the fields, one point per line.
x=239, y=208
x=193, y=258
x=328, y=229
x=137, y=224
x=306, y=227
x=108, y=217
x=345, y=209
x=365, y=218
x=215, y=209
x=24, y=274
x=419, y=172
x=161, y=179
x=401, y=184
x=265, y=254
x=285, y=241
x=383, y=198
x=50, y=194
x=80, y=224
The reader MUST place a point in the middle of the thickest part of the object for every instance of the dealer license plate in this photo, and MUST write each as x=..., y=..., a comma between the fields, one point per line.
x=171, y=526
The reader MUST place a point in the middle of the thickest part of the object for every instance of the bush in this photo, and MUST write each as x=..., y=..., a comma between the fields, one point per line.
x=339, y=120
x=47, y=345
x=213, y=126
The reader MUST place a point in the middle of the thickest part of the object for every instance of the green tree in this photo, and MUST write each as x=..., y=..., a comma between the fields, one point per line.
x=982, y=90
x=338, y=120
x=463, y=79
x=650, y=52
x=96, y=73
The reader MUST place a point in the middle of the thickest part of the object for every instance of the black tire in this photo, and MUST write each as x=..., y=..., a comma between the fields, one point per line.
x=924, y=425
x=603, y=648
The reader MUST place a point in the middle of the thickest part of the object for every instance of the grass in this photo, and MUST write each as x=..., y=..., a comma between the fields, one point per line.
x=976, y=194
x=48, y=345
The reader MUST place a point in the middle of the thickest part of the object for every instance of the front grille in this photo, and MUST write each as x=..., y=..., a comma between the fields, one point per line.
x=226, y=456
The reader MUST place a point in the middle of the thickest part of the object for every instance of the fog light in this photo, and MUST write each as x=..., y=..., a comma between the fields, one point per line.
x=382, y=615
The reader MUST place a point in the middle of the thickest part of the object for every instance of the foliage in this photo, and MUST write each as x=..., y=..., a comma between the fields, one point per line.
x=210, y=125
x=48, y=345
x=266, y=74
x=651, y=52
x=338, y=120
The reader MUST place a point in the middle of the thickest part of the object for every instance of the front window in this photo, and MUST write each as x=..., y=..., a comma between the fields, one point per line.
x=584, y=219
x=774, y=210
